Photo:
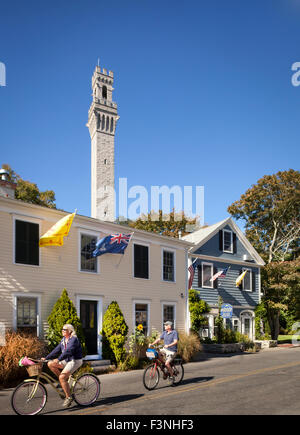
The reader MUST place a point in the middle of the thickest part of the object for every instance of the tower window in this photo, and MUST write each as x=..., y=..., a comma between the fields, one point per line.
x=104, y=92
x=112, y=124
x=105, y=161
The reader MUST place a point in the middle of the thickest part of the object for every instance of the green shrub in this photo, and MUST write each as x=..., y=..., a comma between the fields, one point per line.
x=62, y=313
x=114, y=332
x=131, y=362
x=197, y=307
x=188, y=345
x=17, y=345
x=137, y=343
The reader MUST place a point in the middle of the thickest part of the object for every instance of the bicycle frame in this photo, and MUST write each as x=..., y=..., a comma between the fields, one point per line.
x=49, y=380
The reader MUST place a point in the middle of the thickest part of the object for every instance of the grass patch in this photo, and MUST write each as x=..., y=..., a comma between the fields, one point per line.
x=284, y=339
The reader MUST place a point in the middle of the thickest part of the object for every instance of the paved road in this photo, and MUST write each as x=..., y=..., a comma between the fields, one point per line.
x=267, y=382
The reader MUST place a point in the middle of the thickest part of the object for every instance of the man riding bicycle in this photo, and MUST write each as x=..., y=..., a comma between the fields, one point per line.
x=170, y=338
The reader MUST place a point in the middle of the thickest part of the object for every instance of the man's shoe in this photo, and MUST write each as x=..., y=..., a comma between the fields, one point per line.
x=67, y=402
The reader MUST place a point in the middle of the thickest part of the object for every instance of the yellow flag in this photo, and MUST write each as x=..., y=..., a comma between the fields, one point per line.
x=240, y=278
x=55, y=236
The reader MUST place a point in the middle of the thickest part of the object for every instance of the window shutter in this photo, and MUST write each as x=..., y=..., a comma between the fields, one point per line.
x=253, y=275
x=234, y=242
x=221, y=240
x=215, y=283
x=199, y=269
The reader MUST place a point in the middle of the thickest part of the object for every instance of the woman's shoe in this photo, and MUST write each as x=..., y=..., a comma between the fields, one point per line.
x=67, y=402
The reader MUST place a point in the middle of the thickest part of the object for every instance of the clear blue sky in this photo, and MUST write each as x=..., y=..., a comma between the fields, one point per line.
x=203, y=89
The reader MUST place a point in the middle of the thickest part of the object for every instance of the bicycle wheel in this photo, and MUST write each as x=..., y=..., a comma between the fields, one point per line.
x=151, y=377
x=178, y=371
x=29, y=398
x=86, y=389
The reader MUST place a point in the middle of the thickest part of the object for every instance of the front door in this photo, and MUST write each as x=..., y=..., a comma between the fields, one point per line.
x=89, y=320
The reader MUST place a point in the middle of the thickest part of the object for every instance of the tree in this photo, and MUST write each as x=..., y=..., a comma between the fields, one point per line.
x=164, y=224
x=114, y=333
x=197, y=308
x=62, y=313
x=29, y=192
x=271, y=210
x=281, y=292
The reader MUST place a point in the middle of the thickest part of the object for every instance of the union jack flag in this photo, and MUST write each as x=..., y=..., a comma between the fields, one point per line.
x=113, y=244
x=120, y=238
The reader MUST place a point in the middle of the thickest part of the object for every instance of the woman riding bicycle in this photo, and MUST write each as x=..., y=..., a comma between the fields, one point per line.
x=69, y=360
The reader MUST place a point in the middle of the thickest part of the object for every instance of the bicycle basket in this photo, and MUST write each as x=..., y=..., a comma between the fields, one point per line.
x=151, y=353
x=35, y=369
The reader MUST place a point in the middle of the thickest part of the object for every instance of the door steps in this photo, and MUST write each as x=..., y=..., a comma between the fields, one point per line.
x=100, y=365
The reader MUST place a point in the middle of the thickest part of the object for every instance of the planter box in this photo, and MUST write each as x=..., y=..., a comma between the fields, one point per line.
x=265, y=344
x=222, y=348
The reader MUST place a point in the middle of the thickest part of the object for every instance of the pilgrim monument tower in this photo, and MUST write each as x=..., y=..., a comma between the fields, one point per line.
x=102, y=120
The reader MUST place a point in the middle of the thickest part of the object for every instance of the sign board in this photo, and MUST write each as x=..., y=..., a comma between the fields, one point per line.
x=226, y=311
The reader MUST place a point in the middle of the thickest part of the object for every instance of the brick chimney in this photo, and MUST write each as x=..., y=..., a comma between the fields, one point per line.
x=7, y=188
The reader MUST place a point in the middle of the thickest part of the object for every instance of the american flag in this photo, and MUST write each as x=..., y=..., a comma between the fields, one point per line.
x=220, y=274
x=191, y=269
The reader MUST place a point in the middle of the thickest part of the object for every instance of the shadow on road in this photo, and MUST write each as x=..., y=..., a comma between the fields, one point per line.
x=198, y=380
x=107, y=401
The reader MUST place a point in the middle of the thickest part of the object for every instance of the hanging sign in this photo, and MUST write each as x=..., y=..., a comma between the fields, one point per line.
x=226, y=311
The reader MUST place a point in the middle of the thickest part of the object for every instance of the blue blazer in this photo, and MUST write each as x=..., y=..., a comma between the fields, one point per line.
x=72, y=350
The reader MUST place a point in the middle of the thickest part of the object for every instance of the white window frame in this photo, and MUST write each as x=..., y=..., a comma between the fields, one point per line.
x=243, y=282
x=231, y=242
x=92, y=234
x=202, y=274
x=173, y=251
x=147, y=246
x=163, y=304
x=233, y=319
x=36, y=296
x=32, y=221
x=143, y=302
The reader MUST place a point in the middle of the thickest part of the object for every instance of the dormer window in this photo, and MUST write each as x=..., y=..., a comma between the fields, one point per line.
x=227, y=241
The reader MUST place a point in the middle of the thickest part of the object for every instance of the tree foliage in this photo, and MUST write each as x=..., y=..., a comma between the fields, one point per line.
x=271, y=210
x=171, y=224
x=29, y=192
x=62, y=313
x=281, y=288
x=114, y=333
x=197, y=308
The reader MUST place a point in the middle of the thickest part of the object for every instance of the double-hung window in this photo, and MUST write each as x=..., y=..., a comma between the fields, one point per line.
x=26, y=243
x=141, y=261
x=168, y=266
x=227, y=241
x=169, y=313
x=207, y=273
x=88, y=263
x=142, y=316
x=247, y=281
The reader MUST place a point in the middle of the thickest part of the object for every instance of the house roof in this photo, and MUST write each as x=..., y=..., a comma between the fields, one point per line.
x=201, y=236
x=103, y=226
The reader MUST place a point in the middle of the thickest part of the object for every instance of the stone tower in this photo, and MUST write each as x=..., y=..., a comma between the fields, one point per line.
x=103, y=117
